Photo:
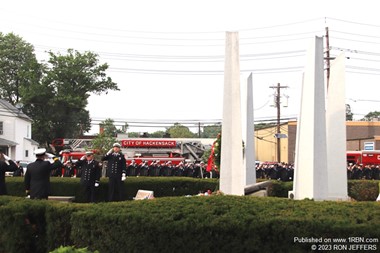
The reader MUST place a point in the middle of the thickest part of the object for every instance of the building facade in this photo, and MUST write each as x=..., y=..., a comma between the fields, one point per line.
x=359, y=135
x=16, y=133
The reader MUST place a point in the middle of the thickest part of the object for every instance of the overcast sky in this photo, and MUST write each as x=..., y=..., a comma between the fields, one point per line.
x=167, y=57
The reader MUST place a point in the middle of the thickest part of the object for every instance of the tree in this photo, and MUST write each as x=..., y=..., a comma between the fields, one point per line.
x=19, y=68
x=179, y=131
x=157, y=134
x=134, y=134
x=264, y=125
x=108, y=127
x=211, y=131
x=58, y=104
x=104, y=140
x=349, y=114
x=371, y=115
x=123, y=129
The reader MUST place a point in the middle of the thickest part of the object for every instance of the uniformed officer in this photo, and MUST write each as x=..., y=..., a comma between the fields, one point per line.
x=5, y=165
x=91, y=171
x=37, y=175
x=132, y=169
x=116, y=172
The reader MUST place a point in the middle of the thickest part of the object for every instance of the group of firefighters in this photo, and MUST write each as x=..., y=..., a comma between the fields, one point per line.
x=285, y=172
x=358, y=171
x=154, y=168
x=276, y=171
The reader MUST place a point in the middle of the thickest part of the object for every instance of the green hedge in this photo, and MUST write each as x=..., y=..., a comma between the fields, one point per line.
x=182, y=224
x=363, y=190
x=22, y=225
x=162, y=186
x=360, y=190
x=221, y=224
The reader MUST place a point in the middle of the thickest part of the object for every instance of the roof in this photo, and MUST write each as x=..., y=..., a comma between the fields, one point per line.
x=14, y=110
x=5, y=142
x=33, y=142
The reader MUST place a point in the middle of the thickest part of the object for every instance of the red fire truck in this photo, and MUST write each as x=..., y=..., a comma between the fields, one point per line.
x=71, y=155
x=164, y=150
x=365, y=157
x=139, y=149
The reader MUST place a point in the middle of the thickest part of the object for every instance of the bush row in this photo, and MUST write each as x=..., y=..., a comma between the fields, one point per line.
x=162, y=186
x=183, y=224
x=360, y=190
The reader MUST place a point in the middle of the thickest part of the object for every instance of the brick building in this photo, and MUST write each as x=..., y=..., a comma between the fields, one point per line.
x=358, y=133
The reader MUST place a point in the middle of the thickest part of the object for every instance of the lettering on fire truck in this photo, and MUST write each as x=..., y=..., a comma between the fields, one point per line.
x=148, y=143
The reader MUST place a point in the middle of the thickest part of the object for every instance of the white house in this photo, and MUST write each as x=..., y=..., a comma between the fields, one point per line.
x=16, y=133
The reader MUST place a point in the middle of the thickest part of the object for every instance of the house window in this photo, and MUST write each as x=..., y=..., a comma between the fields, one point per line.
x=26, y=153
x=1, y=127
x=27, y=131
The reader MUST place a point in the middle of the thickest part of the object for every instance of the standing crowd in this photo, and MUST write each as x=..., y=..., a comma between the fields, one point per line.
x=276, y=171
x=168, y=169
x=37, y=175
x=358, y=171
x=285, y=172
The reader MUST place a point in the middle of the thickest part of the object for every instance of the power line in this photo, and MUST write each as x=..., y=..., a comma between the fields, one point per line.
x=356, y=34
x=353, y=22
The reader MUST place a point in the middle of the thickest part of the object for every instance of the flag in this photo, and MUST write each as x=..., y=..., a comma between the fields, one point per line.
x=210, y=162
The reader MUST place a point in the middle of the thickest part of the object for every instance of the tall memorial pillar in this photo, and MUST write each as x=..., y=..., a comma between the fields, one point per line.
x=336, y=131
x=232, y=173
x=250, y=155
x=310, y=175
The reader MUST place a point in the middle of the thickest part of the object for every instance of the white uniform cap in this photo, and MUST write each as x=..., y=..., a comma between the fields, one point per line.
x=116, y=145
x=40, y=151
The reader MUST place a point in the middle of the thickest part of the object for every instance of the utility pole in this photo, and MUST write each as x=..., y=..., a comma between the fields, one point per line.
x=277, y=97
x=327, y=57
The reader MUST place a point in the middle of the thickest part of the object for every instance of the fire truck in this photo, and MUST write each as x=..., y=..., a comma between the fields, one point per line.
x=139, y=149
x=71, y=155
x=364, y=157
x=60, y=144
x=163, y=150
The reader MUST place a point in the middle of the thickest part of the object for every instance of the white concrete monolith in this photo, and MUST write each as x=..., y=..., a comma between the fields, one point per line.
x=310, y=175
x=232, y=173
x=250, y=155
x=336, y=131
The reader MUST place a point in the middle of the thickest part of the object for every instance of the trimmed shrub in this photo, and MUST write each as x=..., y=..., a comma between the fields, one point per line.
x=363, y=190
x=220, y=224
x=280, y=189
x=182, y=224
x=360, y=190
x=23, y=226
x=58, y=223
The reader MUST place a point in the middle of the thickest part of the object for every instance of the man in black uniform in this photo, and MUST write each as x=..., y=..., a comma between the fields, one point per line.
x=116, y=171
x=19, y=172
x=37, y=175
x=5, y=165
x=91, y=171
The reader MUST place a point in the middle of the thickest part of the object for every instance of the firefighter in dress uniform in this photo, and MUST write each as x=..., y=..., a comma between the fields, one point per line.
x=37, y=175
x=116, y=172
x=91, y=171
x=5, y=165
